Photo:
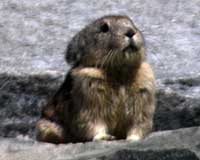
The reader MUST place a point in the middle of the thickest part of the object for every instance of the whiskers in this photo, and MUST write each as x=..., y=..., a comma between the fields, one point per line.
x=108, y=59
x=116, y=60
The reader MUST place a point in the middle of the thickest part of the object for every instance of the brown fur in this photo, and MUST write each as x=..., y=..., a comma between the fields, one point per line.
x=102, y=98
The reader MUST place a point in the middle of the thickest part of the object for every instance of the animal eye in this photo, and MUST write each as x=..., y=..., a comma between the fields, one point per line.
x=104, y=28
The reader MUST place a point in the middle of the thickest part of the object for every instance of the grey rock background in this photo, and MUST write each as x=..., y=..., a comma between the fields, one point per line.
x=168, y=145
x=33, y=38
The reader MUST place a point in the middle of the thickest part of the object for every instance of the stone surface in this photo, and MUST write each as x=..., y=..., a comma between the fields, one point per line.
x=172, y=154
x=36, y=32
x=159, y=145
x=33, y=38
x=21, y=98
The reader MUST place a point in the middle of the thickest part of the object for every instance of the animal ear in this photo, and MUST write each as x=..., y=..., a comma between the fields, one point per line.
x=70, y=55
x=73, y=55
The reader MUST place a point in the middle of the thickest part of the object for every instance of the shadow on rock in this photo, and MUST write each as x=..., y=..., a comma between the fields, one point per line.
x=22, y=97
x=173, y=154
x=174, y=112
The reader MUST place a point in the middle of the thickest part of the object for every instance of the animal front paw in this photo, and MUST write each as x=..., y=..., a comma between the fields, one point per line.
x=134, y=138
x=103, y=136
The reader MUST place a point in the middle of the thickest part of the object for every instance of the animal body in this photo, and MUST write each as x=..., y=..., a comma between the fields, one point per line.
x=109, y=93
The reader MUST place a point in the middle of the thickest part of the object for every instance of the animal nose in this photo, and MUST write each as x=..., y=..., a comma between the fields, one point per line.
x=130, y=33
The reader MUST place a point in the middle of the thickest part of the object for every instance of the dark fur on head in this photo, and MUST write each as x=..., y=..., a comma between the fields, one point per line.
x=104, y=41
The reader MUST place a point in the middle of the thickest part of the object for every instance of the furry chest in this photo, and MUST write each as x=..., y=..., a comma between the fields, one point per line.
x=98, y=100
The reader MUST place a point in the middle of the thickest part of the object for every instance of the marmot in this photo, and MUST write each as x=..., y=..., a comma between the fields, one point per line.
x=109, y=92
